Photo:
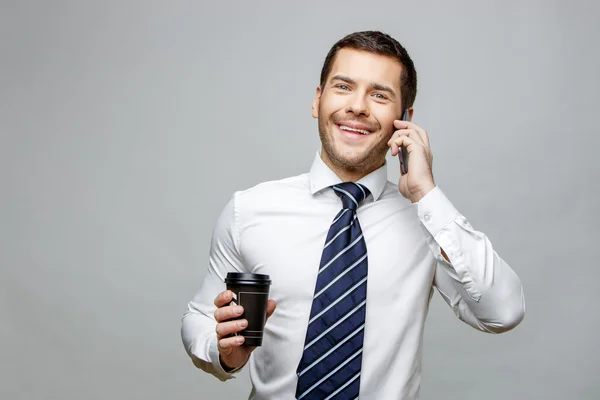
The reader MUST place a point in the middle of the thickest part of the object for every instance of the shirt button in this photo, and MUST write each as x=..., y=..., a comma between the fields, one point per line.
x=427, y=217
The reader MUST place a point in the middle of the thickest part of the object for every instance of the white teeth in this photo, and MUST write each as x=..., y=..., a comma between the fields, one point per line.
x=345, y=128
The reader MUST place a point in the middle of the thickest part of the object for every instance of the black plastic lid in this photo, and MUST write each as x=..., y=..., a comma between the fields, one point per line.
x=248, y=278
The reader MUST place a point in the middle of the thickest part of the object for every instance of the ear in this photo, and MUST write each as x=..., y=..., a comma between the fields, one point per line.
x=315, y=103
x=410, y=113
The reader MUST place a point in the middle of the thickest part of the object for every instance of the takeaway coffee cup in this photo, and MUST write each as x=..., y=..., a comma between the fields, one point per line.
x=251, y=291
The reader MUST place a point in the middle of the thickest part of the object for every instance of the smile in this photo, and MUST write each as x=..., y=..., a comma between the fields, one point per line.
x=347, y=128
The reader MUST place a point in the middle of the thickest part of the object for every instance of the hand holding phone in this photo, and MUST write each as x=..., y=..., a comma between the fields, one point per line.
x=403, y=153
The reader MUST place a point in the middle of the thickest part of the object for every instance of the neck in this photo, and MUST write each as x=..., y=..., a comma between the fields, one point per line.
x=348, y=174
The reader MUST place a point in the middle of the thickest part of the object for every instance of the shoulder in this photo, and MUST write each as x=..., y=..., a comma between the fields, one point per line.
x=255, y=202
x=268, y=193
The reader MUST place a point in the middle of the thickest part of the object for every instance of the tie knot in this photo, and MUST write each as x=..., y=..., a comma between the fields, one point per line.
x=352, y=194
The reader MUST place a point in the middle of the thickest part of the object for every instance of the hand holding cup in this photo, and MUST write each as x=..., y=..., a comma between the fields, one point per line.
x=232, y=353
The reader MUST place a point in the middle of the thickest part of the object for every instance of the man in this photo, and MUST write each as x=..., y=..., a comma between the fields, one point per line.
x=353, y=258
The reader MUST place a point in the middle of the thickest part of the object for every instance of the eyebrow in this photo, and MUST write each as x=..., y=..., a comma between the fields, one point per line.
x=375, y=86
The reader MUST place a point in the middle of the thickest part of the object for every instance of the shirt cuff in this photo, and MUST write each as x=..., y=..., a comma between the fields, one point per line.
x=218, y=370
x=435, y=211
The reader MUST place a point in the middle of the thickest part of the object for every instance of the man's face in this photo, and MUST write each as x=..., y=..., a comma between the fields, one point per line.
x=356, y=109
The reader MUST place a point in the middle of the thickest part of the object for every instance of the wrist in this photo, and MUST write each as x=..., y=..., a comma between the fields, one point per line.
x=226, y=367
x=421, y=192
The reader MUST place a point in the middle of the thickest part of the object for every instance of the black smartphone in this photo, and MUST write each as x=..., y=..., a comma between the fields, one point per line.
x=403, y=154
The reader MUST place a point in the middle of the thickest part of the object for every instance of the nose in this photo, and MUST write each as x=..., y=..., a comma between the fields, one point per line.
x=358, y=105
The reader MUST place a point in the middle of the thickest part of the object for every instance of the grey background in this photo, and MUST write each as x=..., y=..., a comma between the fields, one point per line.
x=126, y=126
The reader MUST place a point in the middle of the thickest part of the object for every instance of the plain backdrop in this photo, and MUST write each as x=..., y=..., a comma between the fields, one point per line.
x=127, y=125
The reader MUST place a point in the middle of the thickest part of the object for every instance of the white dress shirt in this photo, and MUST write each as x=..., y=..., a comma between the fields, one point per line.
x=279, y=228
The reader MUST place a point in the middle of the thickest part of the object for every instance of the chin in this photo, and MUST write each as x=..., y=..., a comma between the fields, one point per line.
x=349, y=158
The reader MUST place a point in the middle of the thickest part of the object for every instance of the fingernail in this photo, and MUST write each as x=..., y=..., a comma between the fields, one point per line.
x=238, y=309
x=242, y=324
x=239, y=339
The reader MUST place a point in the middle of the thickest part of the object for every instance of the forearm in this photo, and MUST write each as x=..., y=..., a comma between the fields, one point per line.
x=200, y=340
x=480, y=287
x=200, y=343
x=198, y=323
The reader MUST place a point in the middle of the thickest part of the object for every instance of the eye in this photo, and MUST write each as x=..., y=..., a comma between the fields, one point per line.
x=341, y=86
x=380, y=96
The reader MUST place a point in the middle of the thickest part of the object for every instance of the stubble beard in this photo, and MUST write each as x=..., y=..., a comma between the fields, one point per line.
x=370, y=160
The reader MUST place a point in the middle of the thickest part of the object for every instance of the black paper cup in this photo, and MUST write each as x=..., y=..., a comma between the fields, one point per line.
x=251, y=291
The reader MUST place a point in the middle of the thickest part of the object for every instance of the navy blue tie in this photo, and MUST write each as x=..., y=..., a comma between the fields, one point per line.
x=331, y=361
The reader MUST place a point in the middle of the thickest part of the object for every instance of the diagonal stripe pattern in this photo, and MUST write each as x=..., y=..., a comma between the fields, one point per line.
x=331, y=361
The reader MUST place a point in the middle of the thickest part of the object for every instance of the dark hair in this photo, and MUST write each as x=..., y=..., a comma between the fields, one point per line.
x=383, y=44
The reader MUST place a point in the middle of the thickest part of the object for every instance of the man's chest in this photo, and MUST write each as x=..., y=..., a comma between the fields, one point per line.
x=288, y=245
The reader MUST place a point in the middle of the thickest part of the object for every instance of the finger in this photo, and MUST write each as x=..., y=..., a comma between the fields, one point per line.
x=412, y=133
x=425, y=138
x=223, y=298
x=227, y=328
x=394, y=135
x=228, y=344
x=409, y=143
x=391, y=142
x=395, y=142
x=401, y=124
x=271, y=305
x=393, y=146
x=228, y=312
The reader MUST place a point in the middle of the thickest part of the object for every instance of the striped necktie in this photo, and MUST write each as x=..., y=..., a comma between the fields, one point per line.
x=331, y=361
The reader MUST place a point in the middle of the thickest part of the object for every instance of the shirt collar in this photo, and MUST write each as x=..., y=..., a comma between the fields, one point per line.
x=321, y=177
